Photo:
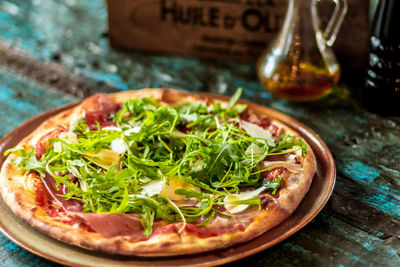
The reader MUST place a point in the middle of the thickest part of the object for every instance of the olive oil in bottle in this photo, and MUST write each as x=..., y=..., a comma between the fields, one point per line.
x=299, y=64
x=302, y=82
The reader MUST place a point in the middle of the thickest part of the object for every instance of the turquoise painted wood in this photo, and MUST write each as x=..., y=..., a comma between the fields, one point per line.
x=21, y=99
x=359, y=226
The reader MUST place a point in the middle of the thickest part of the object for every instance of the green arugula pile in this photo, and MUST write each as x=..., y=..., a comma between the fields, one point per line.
x=202, y=145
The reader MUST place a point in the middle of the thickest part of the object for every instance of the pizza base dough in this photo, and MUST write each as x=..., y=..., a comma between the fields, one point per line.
x=23, y=204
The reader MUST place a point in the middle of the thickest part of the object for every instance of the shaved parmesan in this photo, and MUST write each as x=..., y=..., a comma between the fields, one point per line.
x=119, y=146
x=104, y=158
x=57, y=147
x=71, y=168
x=174, y=183
x=256, y=131
x=144, y=179
x=112, y=128
x=254, y=149
x=198, y=165
x=152, y=188
x=69, y=137
x=83, y=185
x=188, y=202
x=178, y=133
x=135, y=129
x=235, y=208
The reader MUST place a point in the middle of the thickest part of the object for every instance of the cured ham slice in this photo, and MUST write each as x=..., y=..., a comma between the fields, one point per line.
x=98, y=108
x=111, y=225
x=108, y=225
x=70, y=205
x=40, y=147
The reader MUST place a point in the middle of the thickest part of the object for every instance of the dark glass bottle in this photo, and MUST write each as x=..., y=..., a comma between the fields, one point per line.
x=382, y=85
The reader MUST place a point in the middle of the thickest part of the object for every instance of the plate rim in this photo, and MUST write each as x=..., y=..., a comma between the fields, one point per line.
x=304, y=131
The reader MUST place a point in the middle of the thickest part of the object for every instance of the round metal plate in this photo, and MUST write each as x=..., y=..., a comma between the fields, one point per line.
x=46, y=247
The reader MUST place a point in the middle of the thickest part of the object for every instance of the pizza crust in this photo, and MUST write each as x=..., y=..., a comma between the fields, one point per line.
x=23, y=204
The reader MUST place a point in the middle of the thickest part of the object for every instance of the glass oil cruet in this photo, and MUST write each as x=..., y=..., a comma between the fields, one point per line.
x=300, y=65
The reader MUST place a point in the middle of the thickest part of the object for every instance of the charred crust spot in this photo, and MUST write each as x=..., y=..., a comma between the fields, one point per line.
x=166, y=244
x=118, y=245
x=268, y=201
x=294, y=179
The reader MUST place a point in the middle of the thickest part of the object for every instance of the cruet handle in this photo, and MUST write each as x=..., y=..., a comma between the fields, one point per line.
x=334, y=23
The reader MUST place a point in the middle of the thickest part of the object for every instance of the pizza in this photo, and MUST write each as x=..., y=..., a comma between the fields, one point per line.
x=157, y=172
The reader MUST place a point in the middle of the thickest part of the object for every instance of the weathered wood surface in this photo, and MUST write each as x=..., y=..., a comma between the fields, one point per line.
x=55, y=52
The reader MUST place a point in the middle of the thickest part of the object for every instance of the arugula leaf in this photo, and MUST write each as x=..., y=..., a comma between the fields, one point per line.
x=148, y=216
x=27, y=161
x=191, y=194
x=234, y=98
x=288, y=143
x=272, y=185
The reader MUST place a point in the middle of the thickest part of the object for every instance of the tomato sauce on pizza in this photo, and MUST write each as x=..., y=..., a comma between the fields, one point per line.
x=157, y=172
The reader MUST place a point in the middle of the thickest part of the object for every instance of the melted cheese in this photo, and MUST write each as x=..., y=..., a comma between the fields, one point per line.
x=235, y=208
x=290, y=164
x=135, y=129
x=119, y=146
x=174, y=183
x=254, y=149
x=152, y=188
x=256, y=131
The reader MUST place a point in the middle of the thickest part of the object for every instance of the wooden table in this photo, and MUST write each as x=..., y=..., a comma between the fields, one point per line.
x=52, y=54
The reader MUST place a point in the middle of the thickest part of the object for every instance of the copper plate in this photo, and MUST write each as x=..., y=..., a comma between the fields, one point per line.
x=49, y=248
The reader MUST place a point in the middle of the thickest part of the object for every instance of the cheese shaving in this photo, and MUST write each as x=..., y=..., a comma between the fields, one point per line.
x=119, y=146
x=256, y=131
x=235, y=208
x=152, y=188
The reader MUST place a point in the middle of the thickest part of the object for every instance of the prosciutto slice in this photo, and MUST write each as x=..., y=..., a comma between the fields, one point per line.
x=98, y=108
x=282, y=157
x=70, y=205
x=111, y=225
x=40, y=146
x=108, y=225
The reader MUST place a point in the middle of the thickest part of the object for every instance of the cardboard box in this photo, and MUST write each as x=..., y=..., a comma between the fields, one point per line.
x=234, y=29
